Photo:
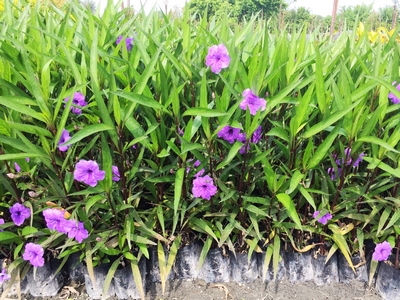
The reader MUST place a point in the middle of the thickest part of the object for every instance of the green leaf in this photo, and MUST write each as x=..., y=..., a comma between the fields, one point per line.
x=322, y=150
x=341, y=243
x=231, y=155
x=140, y=99
x=179, y=176
x=294, y=181
x=203, y=226
x=276, y=255
x=374, y=163
x=109, y=277
x=137, y=277
x=203, y=112
x=383, y=219
x=290, y=208
x=19, y=156
x=28, y=230
x=8, y=237
x=268, y=255
x=279, y=132
x=308, y=197
x=204, y=252
x=377, y=141
x=372, y=269
x=255, y=210
x=88, y=131
x=329, y=121
x=14, y=103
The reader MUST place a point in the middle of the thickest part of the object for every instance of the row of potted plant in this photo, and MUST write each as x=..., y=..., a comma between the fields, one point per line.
x=127, y=130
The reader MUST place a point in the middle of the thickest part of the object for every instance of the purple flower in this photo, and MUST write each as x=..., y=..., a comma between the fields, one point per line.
x=217, y=58
x=65, y=137
x=78, y=101
x=382, y=251
x=55, y=219
x=246, y=147
x=331, y=172
x=34, y=254
x=4, y=276
x=256, y=135
x=1, y=223
x=203, y=187
x=200, y=173
x=128, y=42
x=17, y=167
x=347, y=160
x=358, y=160
x=115, y=173
x=229, y=134
x=324, y=219
x=88, y=172
x=195, y=165
x=252, y=102
x=19, y=213
x=347, y=155
x=392, y=96
x=76, y=230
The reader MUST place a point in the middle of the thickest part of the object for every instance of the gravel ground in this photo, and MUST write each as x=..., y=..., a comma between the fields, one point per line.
x=200, y=290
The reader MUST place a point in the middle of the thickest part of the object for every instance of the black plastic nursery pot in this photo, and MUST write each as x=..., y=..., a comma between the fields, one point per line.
x=388, y=281
x=218, y=267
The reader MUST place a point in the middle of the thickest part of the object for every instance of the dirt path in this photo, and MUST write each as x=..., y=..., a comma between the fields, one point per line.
x=199, y=290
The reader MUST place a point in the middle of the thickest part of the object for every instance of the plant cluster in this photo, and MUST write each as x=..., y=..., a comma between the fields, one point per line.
x=121, y=132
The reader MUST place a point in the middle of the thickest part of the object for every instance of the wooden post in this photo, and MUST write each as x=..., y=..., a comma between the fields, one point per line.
x=394, y=17
x=334, y=12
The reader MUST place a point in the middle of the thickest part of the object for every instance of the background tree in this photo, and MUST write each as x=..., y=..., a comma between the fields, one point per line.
x=299, y=16
x=350, y=13
x=267, y=8
x=238, y=9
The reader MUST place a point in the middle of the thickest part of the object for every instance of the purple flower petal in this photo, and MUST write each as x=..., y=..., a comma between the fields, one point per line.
x=203, y=187
x=128, y=42
x=217, y=58
x=19, y=213
x=358, y=160
x=382, y=251
x=55, y=219
x=229, y=134
x=77, y=230
x=78, y=101
x=88, y=172
x=4, y=276
x=34, y=254
x=324, y=219
x=252, y=102
x=115, y=173
x=256, y=135
x=392, y=96
x=65, y=137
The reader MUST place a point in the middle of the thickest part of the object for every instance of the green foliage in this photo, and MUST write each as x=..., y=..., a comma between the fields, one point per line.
x=157, y=110
x=239, y=10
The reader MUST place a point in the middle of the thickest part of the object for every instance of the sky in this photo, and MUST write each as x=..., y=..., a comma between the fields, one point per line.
x=317, y=7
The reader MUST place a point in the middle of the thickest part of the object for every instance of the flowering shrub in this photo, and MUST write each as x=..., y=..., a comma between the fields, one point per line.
x=285, y=140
